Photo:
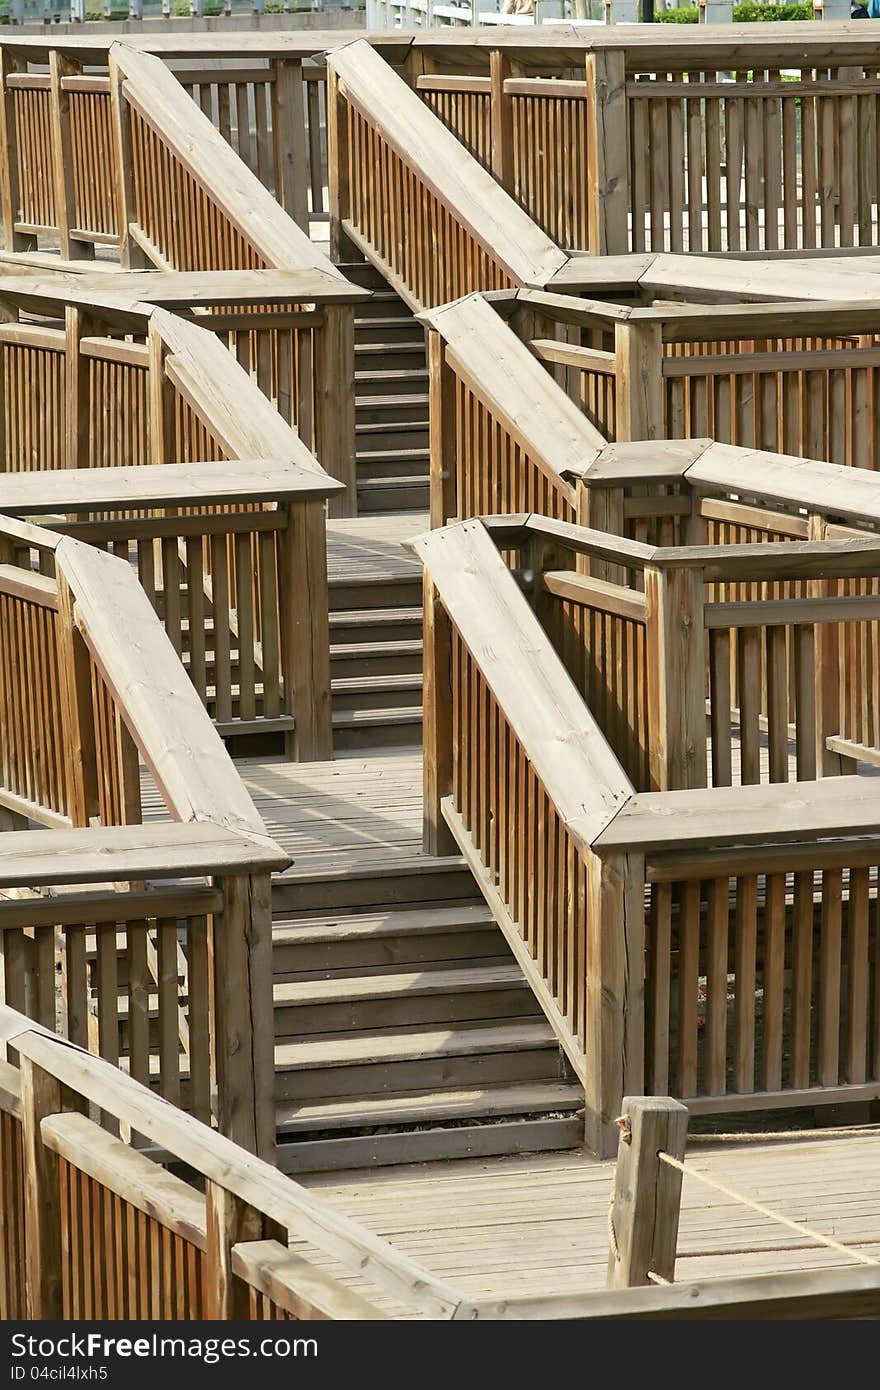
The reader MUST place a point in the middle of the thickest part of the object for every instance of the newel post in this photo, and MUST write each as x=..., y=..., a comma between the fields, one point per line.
x=334, y=401
x=501, y=109
x=437, y=721
x=243, y=1025
x=676, y=661
x=828, y=672
x=443, y=459
x=60, y=67
x=131, y=256
x=615, y=1045
x=289, y=139
x=10, y=192
x=338, y=185
x=646, y=1202
x=40, y=1096
x=607, y=153
x=638, y=367
x=305, y=630
x=230, y=1221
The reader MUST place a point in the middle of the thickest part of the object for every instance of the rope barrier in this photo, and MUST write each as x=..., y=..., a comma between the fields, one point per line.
x=851, y=1132
x=815, y=1236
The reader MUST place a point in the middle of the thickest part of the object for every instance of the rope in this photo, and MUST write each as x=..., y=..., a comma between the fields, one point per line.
x=765, y=1249
x=657, y=1278
x=766, y=1211
x=612, y=1234
x=857, y=1132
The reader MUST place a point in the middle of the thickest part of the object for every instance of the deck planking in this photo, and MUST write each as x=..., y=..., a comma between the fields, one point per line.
x=538, y=1223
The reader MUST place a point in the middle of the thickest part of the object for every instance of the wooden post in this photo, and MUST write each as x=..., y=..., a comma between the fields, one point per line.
x=338, y=190
x=160, y=402
x=601, y=508
x=60, y=66
x=40, y=1096
x=647, y=1192
x=443, y=460
x=638, y=352
x=10, y=193
x=289, y=138
x=75, y=680
x=78, y=325
x=243, y=1015
x=501, y=109
x=828, y=672
x=436, y=721
x=305, y=630
x=676, y=661
x=615, y=1048
x=334, y=399
x=230, y=1221
x=607, y=153
x=131, y=256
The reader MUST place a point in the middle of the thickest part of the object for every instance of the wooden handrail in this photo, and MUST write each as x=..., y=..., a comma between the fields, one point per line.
x=151, y=89
x=220, y=1161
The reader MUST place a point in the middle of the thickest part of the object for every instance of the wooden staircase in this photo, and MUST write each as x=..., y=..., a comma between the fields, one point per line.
x=391, y=399
x=405, y=1031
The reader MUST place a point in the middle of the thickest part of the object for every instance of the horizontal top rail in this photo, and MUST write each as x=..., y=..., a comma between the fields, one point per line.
x=174, y=484
x=498, y=223
x=804, y=483
x=505, y=639
x=500, y=371
x=302, y=1213
x=155, y=93
x=164, y=849
x=724, y=817
x=134, y=294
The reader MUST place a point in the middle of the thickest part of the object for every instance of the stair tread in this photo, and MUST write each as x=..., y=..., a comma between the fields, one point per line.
x=460, y=979
x=355, y=650
x=373, y=617
x=313, y=930
x=401, y=714
x=403, y=480
x=350, y=684
x=398, y=455
x=417, y=1044
x=375, y=349
x=415, y=1106
x=391, y=374
x=408, y=398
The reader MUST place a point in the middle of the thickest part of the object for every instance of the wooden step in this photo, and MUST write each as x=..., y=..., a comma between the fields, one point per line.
x=517, y=1136
x=432, y=995
x=393, y=466
x=405, y=1058
x=400, y=408
x=363, y=693
x=347, y=594
x=397, y=352
x=399, y=726
x=392, y=625
x=393, y=494
x=422, y=1107
x=360, y=659
x=406, y=880
x=389, y=434
x=384, y=940
x=390, y=384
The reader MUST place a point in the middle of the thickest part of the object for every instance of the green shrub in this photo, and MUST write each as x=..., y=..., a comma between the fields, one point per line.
x=747, y=12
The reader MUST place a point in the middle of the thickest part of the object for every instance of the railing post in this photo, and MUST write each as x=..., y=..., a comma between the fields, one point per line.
x=615, y=1047
x=40, y=1096
x=676, y=660
x=305, y=630
x=230, y=1221
x=60, y=66
x=334, y=399
x=10, y=192
x=601, y=509
x=646, y=1201
x=338, y=187
x=289, y=138
x=131, y=257
x=501, y=108
x=443, y=460
x=607, y=153
x=243, y=1020
x=437, y=721
x=75, y=677
x=78, y=325
x=160, y=395
x=828, y=675
x=638, y=366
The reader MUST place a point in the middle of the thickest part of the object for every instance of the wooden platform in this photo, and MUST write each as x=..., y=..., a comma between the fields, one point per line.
x=539, y=1223
x=371, y=549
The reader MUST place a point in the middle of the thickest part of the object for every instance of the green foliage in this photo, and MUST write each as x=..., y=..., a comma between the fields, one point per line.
x=747, y=12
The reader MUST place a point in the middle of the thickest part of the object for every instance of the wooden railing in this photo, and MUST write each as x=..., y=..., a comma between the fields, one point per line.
x=799, y=379
x=646, y=146
x=504, y=437
x=408, y=195
x=151, y=974
x=524, y=776
x=225, y=553
x=292, y=334
x=97, y=1228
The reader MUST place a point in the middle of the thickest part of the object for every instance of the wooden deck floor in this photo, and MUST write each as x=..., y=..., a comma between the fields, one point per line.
x=539, y=1223
x=373, y=548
